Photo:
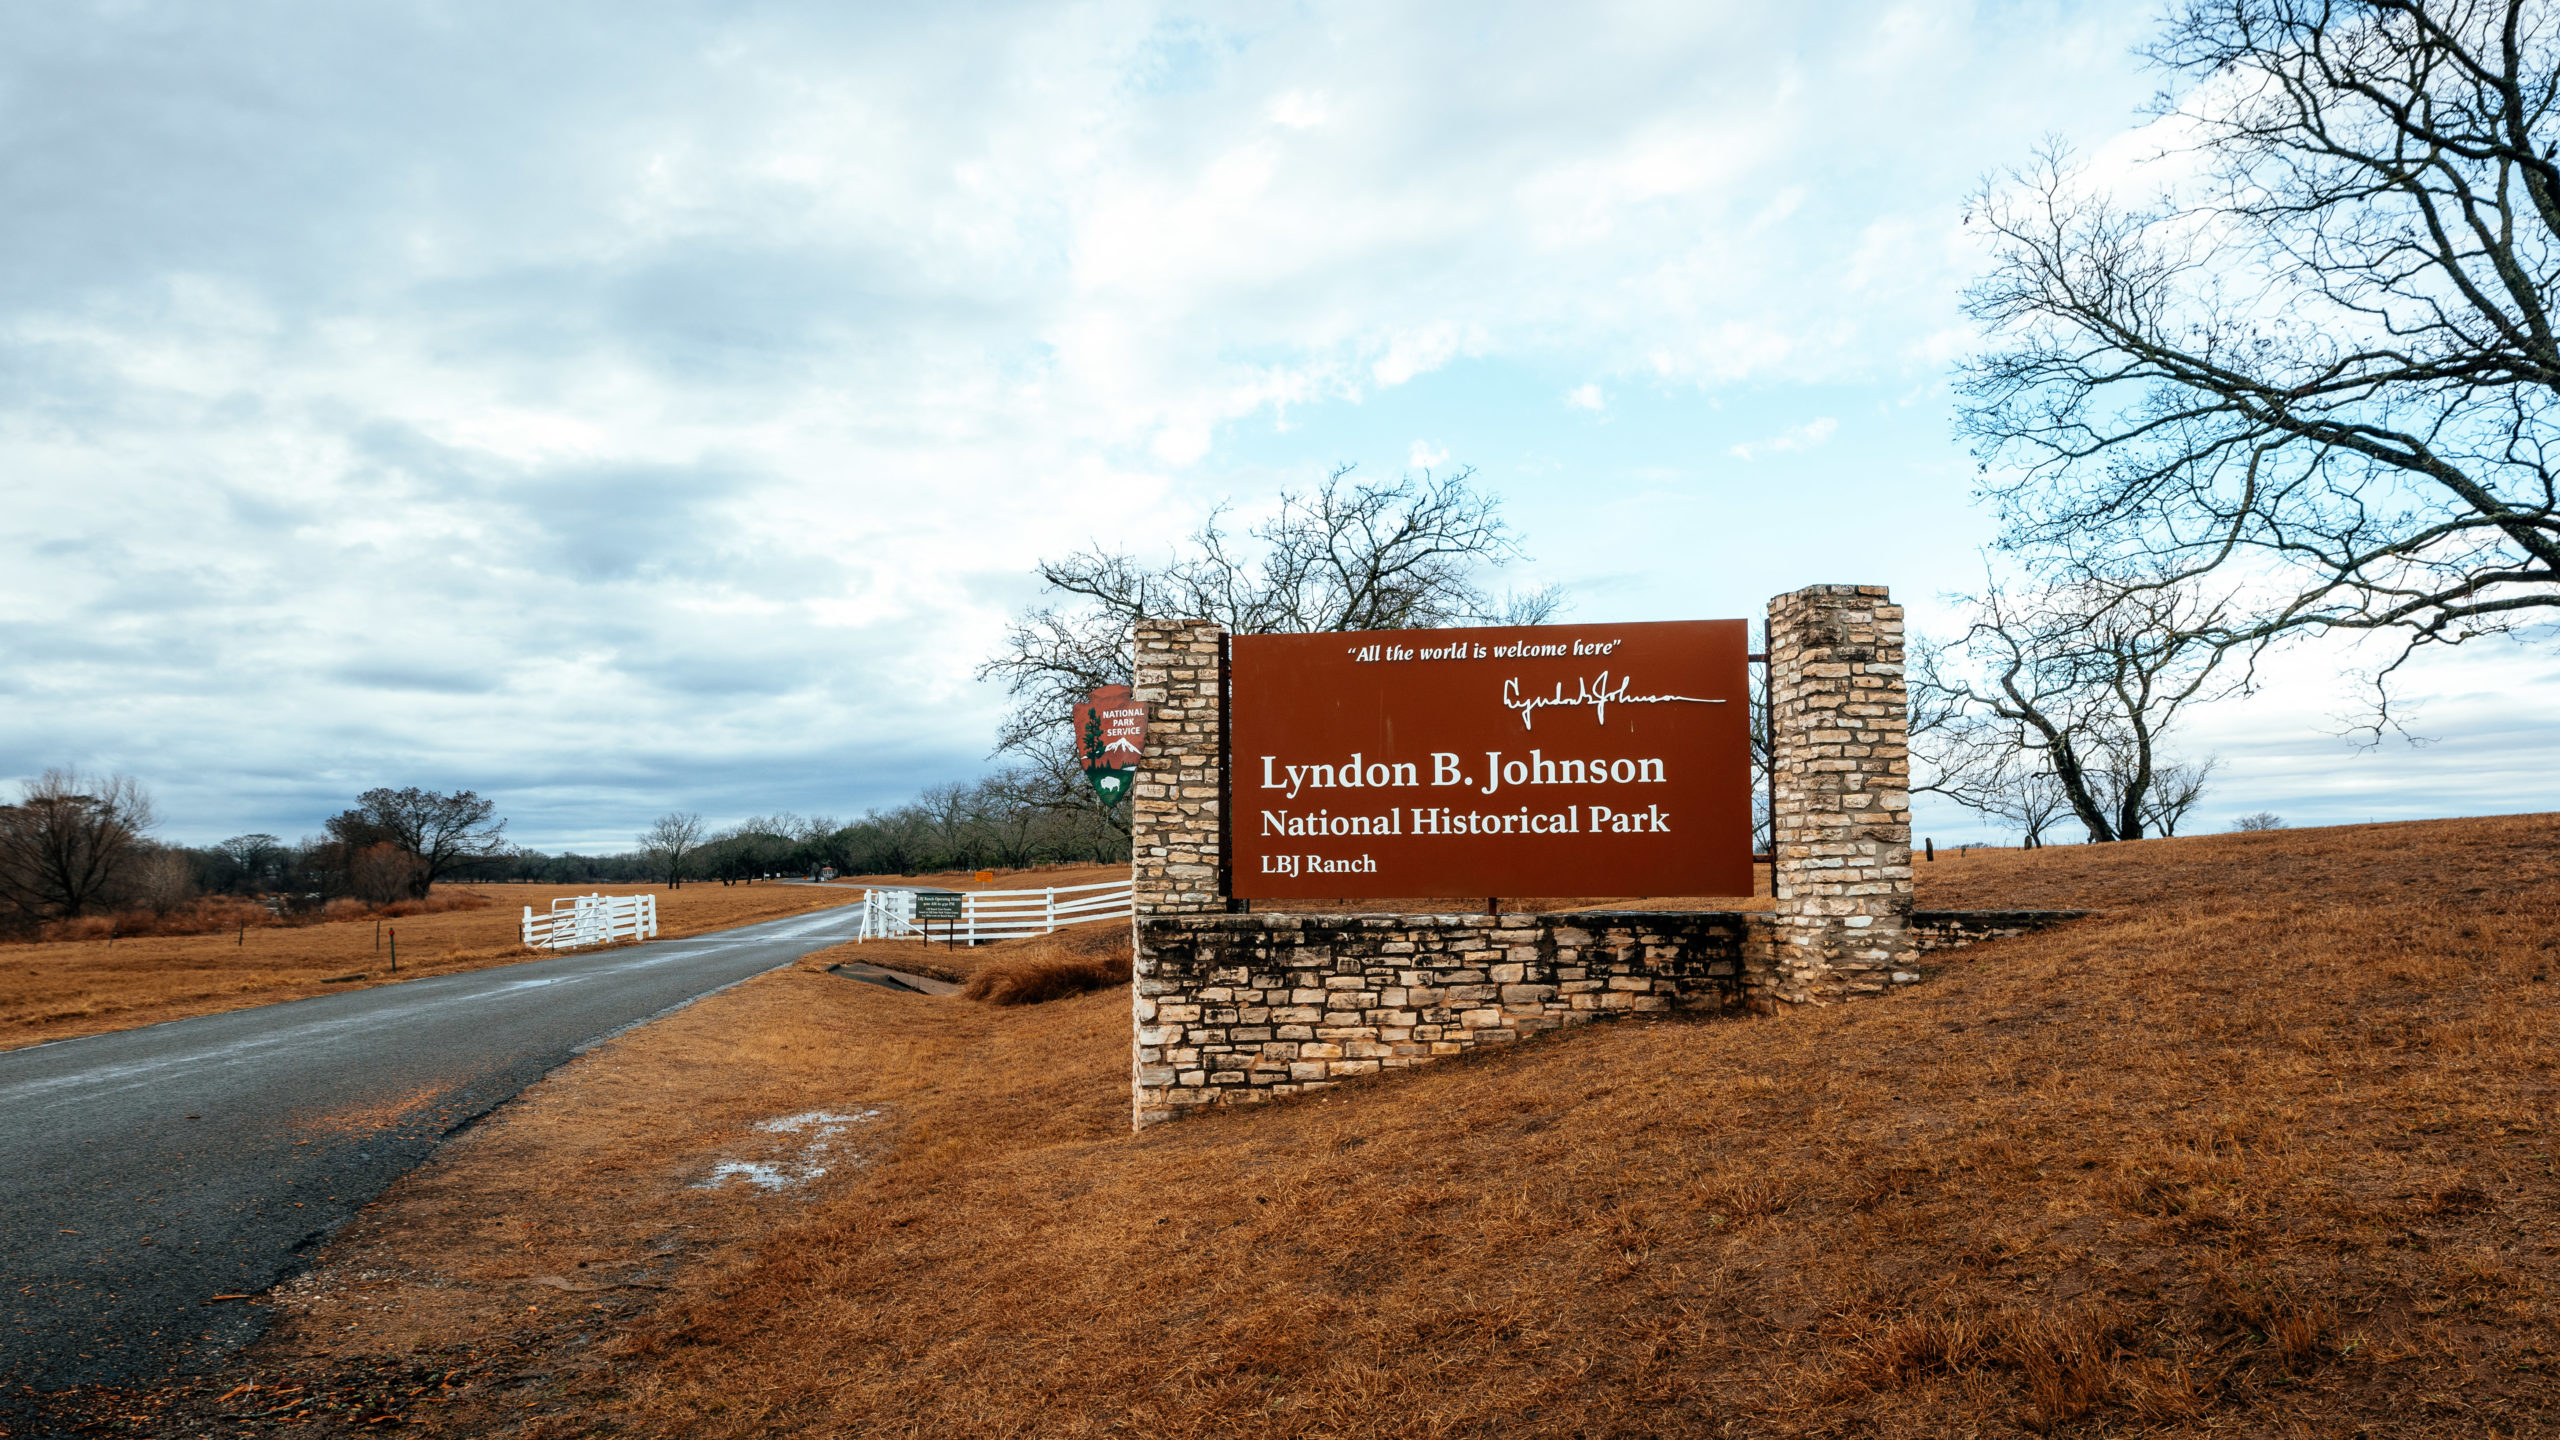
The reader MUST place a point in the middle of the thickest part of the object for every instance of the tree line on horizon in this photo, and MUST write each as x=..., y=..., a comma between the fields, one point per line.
x=78, y=845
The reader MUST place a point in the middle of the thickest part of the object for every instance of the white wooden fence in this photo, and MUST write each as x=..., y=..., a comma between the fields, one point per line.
x=995, y=914
x=577, y=920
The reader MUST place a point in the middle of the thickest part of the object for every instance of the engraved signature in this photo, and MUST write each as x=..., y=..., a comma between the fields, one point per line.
x=1595, y=692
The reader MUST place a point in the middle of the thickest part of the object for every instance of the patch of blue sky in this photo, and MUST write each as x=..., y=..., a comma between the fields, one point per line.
x=1651, y=500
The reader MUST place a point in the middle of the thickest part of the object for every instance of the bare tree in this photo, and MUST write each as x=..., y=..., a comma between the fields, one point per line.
x=1986, y=767
x=70, y=843
x=1014, y=804
x=446, y=832
x=2079, y=683
x=383, y=872
x=955, y=815
x=1406, y=554
x=2176, y=790
x=162, y=879
x=251, y=863
x=669, y=844
x=2326, y=358
x=2257, y=821
x=2034, y=802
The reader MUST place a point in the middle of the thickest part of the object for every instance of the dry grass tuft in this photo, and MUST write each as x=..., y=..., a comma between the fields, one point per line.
x=1053, y=967
x=1032, y=981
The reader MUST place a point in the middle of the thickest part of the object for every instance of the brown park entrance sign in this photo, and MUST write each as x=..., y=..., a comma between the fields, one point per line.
x=1111, y=732
x=1531, y=760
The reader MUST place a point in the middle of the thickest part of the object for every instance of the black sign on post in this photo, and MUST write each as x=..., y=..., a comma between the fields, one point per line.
x=942, y=905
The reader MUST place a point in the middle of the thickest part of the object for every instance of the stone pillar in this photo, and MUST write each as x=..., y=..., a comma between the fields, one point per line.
x=1840, y=721
x=1177, y=845
x=1177, y=815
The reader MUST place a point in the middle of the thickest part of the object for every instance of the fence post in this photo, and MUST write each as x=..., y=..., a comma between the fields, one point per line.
x=1049, y=916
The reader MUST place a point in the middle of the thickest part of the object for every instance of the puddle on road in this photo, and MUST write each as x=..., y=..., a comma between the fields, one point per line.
x=815, y=1133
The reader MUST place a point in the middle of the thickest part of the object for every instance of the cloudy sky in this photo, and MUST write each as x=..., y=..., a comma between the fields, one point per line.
x=616, y=408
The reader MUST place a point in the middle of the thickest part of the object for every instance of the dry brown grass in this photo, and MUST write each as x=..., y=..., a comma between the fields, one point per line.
x=226, y=914
x=1072, y=962
x=2263, y=1150
x=53, y=990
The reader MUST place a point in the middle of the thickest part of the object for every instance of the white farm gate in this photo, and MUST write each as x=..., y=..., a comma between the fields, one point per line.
x=577, y=920
x=995, y=914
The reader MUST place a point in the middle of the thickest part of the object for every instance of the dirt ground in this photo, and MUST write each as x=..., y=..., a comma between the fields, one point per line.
x=2263, y=1149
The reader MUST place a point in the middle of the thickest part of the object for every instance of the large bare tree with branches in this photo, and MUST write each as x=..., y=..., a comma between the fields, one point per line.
x=447, y=833
x=71, y=844
x=1410, y=553
x=2063, y=699
x=669, y=845
x=2323, y=359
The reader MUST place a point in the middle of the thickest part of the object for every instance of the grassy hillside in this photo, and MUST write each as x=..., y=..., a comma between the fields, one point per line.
x=2265, y=1149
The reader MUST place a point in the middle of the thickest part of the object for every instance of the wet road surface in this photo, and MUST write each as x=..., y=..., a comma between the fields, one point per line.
x=146, y=1173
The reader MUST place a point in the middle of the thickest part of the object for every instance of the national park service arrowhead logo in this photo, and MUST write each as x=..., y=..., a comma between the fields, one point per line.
x=1111, y=732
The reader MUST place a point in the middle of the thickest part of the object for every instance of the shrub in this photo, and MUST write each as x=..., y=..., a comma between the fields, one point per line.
x=1029, y=982
x=209, y=915
x=1053, y=967
x=216, y=914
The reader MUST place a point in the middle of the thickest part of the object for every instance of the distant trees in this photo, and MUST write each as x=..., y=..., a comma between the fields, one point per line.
x=669, y=844
x=442, y=835
x=245, y=865
x=757, y=846
x=76, y=845
x=2259, y=820
x=72, y=844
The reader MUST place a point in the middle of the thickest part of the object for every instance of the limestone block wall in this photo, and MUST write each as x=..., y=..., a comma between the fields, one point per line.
x=1839, y=732
x=1177, y=808
x=1240, y=1008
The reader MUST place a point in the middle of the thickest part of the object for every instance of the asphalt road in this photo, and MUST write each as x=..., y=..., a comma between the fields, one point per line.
x=144, y=1173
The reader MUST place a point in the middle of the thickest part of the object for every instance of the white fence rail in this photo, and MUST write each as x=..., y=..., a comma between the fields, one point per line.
x=577, y=920
x=995, y=914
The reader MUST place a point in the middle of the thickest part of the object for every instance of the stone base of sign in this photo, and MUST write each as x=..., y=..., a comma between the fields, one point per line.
x=1233, y=1009
x=1244, y=1007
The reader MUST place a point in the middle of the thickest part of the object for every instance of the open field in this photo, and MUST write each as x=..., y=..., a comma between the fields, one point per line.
x=2266, y=1149
x=58, y=989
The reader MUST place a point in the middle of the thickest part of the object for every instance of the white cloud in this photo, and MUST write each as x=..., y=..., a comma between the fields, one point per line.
x=1426, y=456
x=1586, y=397
x=1803, y=437
x=1300, y=110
